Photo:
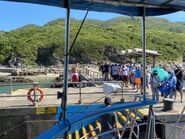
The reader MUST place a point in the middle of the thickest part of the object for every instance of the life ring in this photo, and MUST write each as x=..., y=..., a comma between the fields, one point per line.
x=29, y=94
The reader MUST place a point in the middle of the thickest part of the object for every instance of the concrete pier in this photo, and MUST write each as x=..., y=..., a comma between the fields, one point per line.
x=28, y=122
x=21, y=120
x=25, y=123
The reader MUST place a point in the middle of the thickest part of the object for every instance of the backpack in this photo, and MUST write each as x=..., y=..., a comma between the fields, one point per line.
x=164, y=88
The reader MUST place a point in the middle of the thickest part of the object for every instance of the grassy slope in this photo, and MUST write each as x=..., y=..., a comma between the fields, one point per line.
x=119, y=33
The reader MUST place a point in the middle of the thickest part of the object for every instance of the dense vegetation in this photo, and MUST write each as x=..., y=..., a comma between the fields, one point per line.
x=98, y=40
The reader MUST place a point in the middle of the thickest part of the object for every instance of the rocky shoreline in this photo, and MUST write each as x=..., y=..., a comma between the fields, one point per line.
x=34, y=72
x=11, y=79
x=15, y=75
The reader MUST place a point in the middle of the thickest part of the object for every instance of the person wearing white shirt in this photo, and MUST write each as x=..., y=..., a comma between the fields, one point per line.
x=125, y=75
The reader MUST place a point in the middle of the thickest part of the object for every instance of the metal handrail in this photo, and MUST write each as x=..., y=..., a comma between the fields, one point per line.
x=22, y=84
x=55, y=94
x=132, y=126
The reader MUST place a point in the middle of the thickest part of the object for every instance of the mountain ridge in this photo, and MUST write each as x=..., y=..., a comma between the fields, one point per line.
x=97, y=41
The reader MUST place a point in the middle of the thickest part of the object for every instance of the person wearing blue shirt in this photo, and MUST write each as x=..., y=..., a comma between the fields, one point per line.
x=172, y=80
x=138, y=78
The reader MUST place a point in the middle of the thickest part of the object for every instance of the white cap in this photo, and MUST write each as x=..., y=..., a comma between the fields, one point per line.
x=179, y=66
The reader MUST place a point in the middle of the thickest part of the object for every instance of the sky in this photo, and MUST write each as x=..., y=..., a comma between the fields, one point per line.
x=15, y=15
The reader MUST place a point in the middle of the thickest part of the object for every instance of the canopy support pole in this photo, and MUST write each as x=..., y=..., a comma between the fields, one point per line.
x=150, y=130
x=144, y=54
x=66, y=60
x=149, y=121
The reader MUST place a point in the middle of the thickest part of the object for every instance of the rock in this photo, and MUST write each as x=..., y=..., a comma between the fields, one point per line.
x=54, y=60
x=85, y=58
x=46, y=56
x=21, y=80
x=30, y=73
x=112, y=54
x=73, y=60
x=110, y=51
x=15, y=80
x=2, y=79
x=15, y=73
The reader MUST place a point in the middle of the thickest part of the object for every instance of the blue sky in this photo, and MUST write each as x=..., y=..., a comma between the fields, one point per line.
x=15, y=15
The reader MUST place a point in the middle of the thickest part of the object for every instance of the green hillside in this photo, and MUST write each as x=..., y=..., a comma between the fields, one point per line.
x=98, y=40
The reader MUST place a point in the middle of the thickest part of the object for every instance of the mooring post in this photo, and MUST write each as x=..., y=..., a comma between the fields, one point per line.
x=122, y=90
x=80, y=93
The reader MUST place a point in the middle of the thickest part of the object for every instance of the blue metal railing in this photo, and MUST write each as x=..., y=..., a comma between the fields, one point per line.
x=65, y=125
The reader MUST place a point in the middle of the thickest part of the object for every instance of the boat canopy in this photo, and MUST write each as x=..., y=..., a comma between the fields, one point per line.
x=126, y=7
x=137, y=52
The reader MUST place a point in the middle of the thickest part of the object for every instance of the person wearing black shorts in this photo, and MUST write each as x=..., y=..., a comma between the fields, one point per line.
x=179, y=85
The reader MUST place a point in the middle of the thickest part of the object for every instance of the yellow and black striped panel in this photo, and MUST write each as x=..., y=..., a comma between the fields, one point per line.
x=92, y=131
x=77, y=135
x=143, y=112
x=84, y=133
x=118, y=125
x=123, y=118
x=132, y=115
x=98, y=124
x=69, y=136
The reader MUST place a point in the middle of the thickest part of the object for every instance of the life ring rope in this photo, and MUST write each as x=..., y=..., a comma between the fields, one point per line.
x=29, y=94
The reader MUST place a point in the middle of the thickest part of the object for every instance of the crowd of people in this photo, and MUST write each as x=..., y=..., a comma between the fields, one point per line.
x=132, y=74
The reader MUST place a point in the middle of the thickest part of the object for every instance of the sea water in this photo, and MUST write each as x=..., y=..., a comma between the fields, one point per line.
x=10, y=89
x=42, y=80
